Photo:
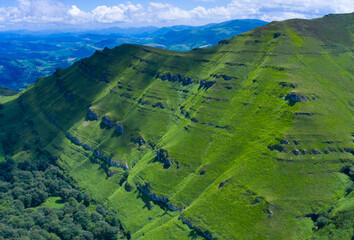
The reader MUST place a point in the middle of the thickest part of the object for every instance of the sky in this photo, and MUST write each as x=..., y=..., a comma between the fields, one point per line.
x=89, y=14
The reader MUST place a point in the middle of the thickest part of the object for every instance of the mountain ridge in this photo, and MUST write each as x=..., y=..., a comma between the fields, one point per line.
x=28, y=56
x=250, y=138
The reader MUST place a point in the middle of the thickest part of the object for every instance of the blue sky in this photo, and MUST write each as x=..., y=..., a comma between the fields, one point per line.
x=89, y=14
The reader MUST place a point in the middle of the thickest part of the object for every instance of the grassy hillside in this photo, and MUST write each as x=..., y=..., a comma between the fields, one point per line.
x=249, y=139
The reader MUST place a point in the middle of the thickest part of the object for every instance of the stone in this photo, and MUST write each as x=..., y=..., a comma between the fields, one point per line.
x=276, y=35
x=175, y=78
x=140, y=140
x=166, y=76
x=92, y=115
x=160, y=105
x=223, y=183
x=86, y=147
x=295, y=97
x=284, y=141
x=119, y=129
x=162, y=156
x=128, y=187
x=316, y=152
x=275, y=147
x=107, y=122
x=206, y=84
x=227, y=78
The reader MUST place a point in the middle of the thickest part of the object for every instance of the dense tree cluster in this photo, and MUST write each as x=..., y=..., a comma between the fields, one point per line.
x=24, y=187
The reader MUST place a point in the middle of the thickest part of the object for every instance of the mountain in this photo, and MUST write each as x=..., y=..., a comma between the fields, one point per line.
x=7, y=92
x=184, y=38
x=26, y=56
x=248, y=139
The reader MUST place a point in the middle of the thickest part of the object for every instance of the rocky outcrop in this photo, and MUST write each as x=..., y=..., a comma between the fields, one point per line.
x=101, y=156
x=119, y=129
x=176, y=78
x=276, y=35
x=111, y=162
x=162, y=156
x=285, y=84
x=223, y=183
x=275, y=147
x=92, y=115
x=158, y=198
x=106, y=121
x=206, y=84
x=139, y=140
x=106, y=76
x=153, y=196
x=225, y=77
x=128, y=187
x=175, y=208
x=158, y=105
x=295, y=97
x=114, y=163
x=207, y=235
x=77, y=142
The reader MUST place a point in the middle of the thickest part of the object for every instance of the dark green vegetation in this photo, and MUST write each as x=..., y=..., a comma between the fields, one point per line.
x=30, y=55
x=36, y=202
x=7, y=92
x=249, y=139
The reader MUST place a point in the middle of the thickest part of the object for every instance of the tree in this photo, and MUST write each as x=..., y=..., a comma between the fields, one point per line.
x=87, y=200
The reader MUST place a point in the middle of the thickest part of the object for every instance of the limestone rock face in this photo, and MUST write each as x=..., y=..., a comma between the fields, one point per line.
x=119, y=129
x=206, y=84
x=160, y=105
x=176, y=78
x=77, y=141
x=92, y=115
x=295, y=97
x=140, y=140
x=107, y=122
x=162, y=156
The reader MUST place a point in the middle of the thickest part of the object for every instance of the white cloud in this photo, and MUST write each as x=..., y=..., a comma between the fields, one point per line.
x=159, y=13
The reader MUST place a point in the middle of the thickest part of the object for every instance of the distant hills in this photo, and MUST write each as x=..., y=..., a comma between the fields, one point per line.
x=252, y=138
x=25, y=56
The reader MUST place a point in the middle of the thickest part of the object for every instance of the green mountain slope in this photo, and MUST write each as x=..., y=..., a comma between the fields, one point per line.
x=249, y=139
x=7, y=92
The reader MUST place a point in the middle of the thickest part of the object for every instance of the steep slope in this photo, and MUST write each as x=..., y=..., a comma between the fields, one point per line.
x=249, y=139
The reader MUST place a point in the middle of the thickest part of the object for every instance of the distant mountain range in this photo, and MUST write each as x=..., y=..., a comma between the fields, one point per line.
x=25, y=56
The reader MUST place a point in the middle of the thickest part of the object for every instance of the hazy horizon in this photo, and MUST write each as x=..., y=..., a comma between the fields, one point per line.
x=37, y=15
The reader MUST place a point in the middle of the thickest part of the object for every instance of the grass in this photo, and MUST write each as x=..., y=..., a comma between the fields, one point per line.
x=53, y=202
x=225, y=173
